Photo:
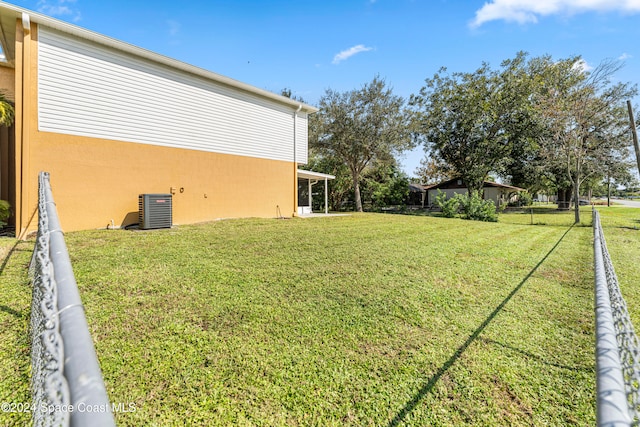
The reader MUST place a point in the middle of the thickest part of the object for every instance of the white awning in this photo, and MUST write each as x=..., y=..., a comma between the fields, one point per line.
x=314, y=175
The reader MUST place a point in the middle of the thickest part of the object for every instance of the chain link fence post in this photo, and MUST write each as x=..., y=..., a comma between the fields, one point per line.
x=617, y=350
x=66, y=381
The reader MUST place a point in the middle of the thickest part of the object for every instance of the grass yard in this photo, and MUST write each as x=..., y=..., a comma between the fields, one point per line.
x=621, y=226
x=363, y=320
x=15, y=309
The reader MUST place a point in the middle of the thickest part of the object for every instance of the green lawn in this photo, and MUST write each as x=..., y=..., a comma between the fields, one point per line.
x=621, y=227
x=15, y=309
x=363, y=320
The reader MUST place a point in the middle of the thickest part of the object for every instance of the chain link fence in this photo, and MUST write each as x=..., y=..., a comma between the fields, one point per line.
x=66, y=381
x=617, y=347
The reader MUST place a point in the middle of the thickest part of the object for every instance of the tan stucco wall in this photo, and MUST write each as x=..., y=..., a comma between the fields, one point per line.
x=95, y=181
x=8, y=82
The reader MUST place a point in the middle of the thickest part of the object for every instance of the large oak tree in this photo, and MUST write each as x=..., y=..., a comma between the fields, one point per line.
x=470, y=121
x=361, y=128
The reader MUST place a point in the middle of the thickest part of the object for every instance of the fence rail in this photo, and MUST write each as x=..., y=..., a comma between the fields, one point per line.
x=66, y=381
x=617, y=349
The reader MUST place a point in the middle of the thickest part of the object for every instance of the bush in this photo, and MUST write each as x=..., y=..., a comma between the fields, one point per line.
x=525, y=199
x=476, y=208
x=5, y=212
x=449, y=206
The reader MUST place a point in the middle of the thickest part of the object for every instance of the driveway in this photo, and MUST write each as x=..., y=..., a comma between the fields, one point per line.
x=626, y=202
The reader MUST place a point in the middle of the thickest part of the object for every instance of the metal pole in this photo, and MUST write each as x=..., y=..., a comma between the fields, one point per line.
x=310, y=195
x=634, y=133
x=531, y=215
x=326, y=196
x=611, y=398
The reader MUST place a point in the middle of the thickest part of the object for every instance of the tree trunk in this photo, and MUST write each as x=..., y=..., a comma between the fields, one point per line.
x=356, y=192
x=564, y=199
x=608, y=191
x=576, y=203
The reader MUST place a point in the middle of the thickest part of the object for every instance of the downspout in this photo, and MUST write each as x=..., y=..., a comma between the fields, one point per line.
x=21, y=226
x=295, y=162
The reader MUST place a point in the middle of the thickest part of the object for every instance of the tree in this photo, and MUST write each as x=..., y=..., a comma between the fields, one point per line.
x=471, y=120
x=586, y=122
x=385, y=185
x=360, y=128
x=7, y=114
x=7, y=111
x=433, y=171
x=288, y=93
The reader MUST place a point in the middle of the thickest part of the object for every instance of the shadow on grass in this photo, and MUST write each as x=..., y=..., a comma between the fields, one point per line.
x=3, y=266
x=7, y=257
x=536, y=357
x=12, y=312
x=426, y=389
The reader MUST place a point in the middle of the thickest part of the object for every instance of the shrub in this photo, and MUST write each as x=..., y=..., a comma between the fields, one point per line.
x=5, y=212
x=525, y=199
x=449, y=206
x=476, y=208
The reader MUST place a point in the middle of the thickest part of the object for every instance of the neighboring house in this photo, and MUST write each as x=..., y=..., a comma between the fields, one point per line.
x=417, y=195
x=498, y=193
x=111, y=121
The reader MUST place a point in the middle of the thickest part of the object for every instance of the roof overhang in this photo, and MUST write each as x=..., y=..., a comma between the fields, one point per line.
x=9, y=14
x=314, y=175
x=502, y=186
x=462, y=185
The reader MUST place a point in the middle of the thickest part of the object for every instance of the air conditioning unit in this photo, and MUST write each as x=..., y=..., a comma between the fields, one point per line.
x=155, y=211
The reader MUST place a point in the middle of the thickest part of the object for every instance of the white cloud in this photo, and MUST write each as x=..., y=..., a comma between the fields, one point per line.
x=528, y=11
x=582, y=65
x=59, y=8
x=624, y=56
x=346, y=54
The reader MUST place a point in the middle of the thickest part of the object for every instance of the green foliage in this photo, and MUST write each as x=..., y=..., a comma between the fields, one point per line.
x=385, y=185
x=586, y=121
x=472, y=120
x=474, y=207
x=360, y=128
x=433, y=170
x=340, y=188
x=547, y=125
x=449, y=205
x=5, y=212
x=525, y=199
x=7, y=111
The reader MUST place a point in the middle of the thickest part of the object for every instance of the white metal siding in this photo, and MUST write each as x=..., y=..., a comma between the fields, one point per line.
x=302, y=139
x=91, y=90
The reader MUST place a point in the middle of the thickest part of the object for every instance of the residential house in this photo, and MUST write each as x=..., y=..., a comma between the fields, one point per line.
x=110, y=121
x=499, y=194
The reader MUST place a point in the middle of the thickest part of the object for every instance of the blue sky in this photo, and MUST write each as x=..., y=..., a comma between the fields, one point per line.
x=310, y=46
